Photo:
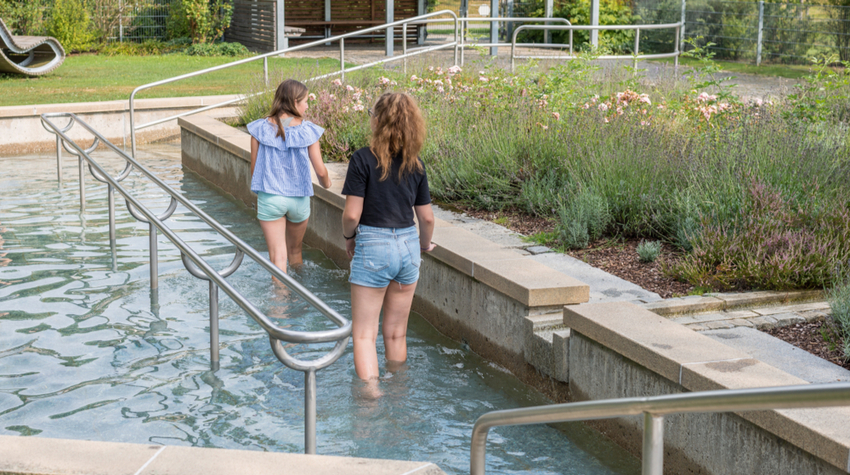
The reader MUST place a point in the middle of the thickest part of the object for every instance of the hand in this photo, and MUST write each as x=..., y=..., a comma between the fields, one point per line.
x=349, y=248
x=430, y=247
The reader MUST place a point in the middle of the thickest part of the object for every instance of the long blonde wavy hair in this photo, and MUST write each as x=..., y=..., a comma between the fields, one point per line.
x=397, y=127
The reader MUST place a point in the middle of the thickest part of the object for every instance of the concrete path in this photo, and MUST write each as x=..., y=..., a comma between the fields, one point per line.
x=604, y=287
x=779, y=354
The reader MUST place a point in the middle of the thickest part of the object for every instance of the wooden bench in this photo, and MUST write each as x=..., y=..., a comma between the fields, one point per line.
x=29, y=55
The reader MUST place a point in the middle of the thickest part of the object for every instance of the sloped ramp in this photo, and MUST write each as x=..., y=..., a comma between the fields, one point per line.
x=28, y=55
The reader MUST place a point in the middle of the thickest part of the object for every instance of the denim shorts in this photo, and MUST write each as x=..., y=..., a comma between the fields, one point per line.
x=273, y=207
x=382, y=255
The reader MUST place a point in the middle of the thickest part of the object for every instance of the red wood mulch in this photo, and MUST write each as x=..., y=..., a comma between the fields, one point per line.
x=819, y=337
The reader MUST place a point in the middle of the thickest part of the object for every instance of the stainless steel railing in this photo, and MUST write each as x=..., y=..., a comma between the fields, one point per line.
x=199, y=268
x=264, y=57
x=636, y=56
x=494, y=44
x=653, y=410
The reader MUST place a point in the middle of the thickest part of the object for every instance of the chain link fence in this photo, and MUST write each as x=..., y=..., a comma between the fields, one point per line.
x=759, y=31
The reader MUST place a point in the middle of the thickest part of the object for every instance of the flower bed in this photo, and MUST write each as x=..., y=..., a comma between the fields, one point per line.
x=754, y=194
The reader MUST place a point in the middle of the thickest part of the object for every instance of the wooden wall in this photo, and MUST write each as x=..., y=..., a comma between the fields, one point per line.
x=253, y=24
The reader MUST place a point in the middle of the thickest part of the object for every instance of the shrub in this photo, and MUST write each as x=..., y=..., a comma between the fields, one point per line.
x=648, y=251
x=583, y=219
x=217, y=49
x=202, y=20
x=70, y=24
x=839, y=303
x=24, y=17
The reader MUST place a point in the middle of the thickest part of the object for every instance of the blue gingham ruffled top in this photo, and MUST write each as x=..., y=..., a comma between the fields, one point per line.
x=283, y=166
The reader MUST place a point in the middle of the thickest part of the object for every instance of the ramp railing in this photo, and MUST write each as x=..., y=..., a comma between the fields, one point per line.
x=653, y=409
x=199, y=268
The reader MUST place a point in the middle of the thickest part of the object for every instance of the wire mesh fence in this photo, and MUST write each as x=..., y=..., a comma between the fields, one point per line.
x=141, y=21
x=758, y=31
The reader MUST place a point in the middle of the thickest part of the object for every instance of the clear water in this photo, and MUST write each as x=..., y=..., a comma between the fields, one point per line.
x=84, y=354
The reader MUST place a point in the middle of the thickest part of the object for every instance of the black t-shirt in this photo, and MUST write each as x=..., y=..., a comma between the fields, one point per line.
x=388, y=203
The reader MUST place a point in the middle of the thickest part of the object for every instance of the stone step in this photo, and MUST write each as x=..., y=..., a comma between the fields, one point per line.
x=547, y=344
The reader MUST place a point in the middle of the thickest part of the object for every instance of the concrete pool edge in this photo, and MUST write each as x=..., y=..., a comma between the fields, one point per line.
x=643, y=353
x=63, y=456
x=471, y=289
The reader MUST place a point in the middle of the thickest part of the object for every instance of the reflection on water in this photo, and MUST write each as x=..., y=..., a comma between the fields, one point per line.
x=87, y=352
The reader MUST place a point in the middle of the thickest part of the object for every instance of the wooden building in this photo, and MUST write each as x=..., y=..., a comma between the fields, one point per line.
x=255, y=22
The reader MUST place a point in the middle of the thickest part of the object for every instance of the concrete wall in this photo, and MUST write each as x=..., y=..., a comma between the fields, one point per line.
x=622, y=350
x=21, y=131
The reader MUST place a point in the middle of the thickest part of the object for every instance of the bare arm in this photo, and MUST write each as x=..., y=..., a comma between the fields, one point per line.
x=425, y=216
x=315, y=152
x=350, y=219
x=255, y=145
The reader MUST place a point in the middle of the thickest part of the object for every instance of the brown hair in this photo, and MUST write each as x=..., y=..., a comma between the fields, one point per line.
x=288, y=93
x=398, y=127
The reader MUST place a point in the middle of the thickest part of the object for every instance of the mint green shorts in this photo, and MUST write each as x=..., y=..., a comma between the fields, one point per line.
x=273, y=207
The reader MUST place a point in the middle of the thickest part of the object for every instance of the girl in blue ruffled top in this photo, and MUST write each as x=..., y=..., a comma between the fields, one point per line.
x=283, y=146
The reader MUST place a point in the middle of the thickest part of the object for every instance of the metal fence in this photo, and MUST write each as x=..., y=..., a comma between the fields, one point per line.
x=759, y=31
x=142, y=22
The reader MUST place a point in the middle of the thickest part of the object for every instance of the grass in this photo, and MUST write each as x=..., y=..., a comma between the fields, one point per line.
x=790, y=71
x=91, y=77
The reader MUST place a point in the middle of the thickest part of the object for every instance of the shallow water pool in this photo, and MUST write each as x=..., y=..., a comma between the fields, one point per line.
x=87, y=352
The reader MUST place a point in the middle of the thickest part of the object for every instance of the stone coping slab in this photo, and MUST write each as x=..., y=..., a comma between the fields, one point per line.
x=699, y=363
x=114, y=106
x=715, y=302
x=43, y=456
x=504, y=269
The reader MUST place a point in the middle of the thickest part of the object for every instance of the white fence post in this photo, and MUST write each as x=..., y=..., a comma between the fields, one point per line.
x=494, y=27
x=761, y=28
x=547, y=35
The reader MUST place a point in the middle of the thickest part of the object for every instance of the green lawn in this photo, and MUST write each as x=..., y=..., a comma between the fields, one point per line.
x=91, y=77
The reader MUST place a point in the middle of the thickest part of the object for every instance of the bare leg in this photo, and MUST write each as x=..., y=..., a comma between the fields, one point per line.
x=275, y=234
x=365, y=315
x=294, y=239
x=397, y=302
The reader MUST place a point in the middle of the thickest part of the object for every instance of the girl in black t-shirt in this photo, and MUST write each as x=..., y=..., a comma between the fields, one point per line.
x=385, y=186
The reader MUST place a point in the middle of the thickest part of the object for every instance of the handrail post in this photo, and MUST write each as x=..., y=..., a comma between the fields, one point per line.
x=463, y=31
x=457, y=43
x=214, y=358
x=404, y=47
x=342, y=58
x=653, y=445
x=111, y=200
x=154, y=256
x=676, y=50
x=82, y=186
x=58, y=159
x=571, y=42
x=266, y=71
x=637, y=46
x=310, y=411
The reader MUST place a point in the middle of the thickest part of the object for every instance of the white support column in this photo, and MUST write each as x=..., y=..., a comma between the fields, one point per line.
x=282, y=41
x=494, y=27
x=390, y=16
x=550, y=10
x=421, y=11
x=594, y=21
x=327, y=18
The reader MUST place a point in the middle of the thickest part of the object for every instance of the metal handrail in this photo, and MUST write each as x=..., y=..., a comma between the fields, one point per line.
x=341, y=38
x=654, y=409
x=675, y=54
x=496, y=20
x=198, y=267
